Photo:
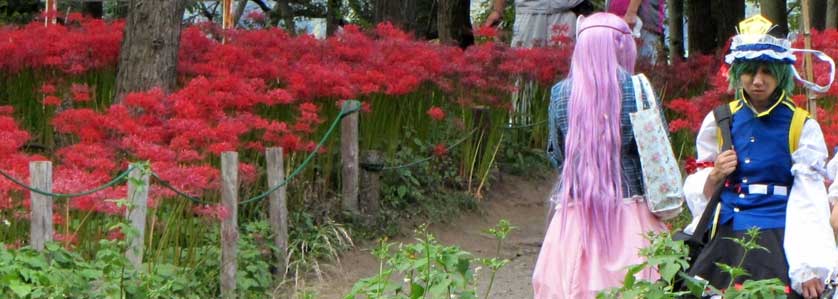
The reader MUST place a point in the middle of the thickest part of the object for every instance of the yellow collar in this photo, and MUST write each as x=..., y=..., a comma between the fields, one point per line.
x=780, y=99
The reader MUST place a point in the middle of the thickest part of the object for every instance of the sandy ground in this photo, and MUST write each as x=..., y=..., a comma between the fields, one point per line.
x=519, y=200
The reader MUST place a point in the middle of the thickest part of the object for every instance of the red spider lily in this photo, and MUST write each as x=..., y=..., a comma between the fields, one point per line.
x=67, y=240
x=211, y=212
x=17, y=244
x=440, y=150
x=80, y=92
x=116, y=234
x=57, y=219
x=486, y=32
x=256, y=16
x=436, y=113
x=51, y=101
x=47, y=88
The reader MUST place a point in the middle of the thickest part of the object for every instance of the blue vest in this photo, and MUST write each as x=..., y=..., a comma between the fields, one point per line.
x=762, y=148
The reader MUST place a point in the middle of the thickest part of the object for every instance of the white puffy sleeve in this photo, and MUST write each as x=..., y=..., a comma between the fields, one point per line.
x=707, y=148
x=832, y=171
x=809, y=242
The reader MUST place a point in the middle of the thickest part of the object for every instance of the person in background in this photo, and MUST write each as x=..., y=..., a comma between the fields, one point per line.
x=536, y=21
x=649, y=13
x=601, y=216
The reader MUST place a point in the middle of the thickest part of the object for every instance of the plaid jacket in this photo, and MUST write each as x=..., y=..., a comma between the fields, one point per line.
x=632, y=175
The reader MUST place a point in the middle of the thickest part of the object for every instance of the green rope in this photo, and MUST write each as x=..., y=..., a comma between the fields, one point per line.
x=417, y=162
x=169, y=186
x=345, y=110
x=119, y=178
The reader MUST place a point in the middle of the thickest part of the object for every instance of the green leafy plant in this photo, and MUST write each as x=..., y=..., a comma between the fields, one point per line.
x=427, y=269
x=669, y=258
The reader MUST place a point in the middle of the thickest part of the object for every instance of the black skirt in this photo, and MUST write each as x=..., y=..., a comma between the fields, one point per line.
x=759, y=264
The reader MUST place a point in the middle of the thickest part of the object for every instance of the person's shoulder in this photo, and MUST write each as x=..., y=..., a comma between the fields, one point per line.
x=560, y=86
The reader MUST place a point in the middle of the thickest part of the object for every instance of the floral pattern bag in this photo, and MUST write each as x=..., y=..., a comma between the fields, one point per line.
x=661, y=174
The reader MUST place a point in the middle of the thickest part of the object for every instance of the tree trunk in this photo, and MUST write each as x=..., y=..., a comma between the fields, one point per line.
x=237, y=14
x=712, y=24
x=454, y=22
x=151, y=39
x=282, y=11
x=333, y=16
x=817, y=11
x=832, y=14
x=775, y=11
x=676, y=29
x=701, y=33
x=726, y=16
x=93, y=9
x=401, y=13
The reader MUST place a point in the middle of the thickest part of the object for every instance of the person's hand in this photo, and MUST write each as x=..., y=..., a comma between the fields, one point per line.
x=630, y=19
x=724, y=165
x=492, y=19
x=813, y=288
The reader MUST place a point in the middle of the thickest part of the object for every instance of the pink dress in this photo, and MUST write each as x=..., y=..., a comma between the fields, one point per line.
x=565, y=270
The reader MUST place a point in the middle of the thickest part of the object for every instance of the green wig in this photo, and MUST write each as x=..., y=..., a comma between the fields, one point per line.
x=781, y=71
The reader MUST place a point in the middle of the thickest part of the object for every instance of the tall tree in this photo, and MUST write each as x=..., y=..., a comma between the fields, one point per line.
x=700, y=32
x=93, y=8
x=454, y=22
x=710, y=26
x=402, y=13
x=726, y=16
x=282, y=11
x=148, y=56
x=239, y=11
x=818, y=11
x=775, y=11
x=333, y=16
x=676, y=29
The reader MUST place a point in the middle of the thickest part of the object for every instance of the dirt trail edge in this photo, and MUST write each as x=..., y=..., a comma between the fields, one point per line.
x=517, y=199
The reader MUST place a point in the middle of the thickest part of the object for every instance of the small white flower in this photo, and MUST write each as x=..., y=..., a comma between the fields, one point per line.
x=6, y=222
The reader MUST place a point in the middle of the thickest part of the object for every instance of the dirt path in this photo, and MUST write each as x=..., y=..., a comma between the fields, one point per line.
x=519, y=200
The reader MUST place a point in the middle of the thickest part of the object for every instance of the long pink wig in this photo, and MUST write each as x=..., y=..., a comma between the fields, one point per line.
x=591, y=175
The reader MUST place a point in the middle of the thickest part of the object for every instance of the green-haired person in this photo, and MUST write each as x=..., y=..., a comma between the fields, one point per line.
x=771, y=179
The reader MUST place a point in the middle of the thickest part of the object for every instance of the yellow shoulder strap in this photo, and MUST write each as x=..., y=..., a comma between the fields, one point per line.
x=797, y=121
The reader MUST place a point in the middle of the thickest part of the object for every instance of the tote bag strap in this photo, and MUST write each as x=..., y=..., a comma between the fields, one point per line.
x=638, y=92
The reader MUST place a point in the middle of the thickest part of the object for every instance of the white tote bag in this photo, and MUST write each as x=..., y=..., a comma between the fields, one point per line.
x=661, y=174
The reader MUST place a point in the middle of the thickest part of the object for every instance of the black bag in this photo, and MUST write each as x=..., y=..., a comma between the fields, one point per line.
x=584, y=8
x=700, y=236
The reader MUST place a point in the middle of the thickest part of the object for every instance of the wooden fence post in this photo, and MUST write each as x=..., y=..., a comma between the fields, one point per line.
x=40, y=230
x=278, y=213
x=138, y=196
x=371, y=163
x=349, y=159
x=229, y=226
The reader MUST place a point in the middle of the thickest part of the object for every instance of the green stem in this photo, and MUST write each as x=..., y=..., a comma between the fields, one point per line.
x=491, y=282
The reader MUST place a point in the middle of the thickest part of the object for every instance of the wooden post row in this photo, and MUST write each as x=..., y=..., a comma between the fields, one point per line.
x=40, y=228
x=278, y=208
x=229, y=226
x=138, y=196
x=349, y=160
